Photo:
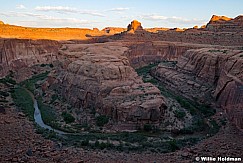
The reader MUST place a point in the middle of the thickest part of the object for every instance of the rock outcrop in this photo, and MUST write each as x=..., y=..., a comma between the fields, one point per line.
x=16, y=54
x=143, y=53
x=219, y=18
x=134, y=26
x=207, y=72
x=225, y=24
x=219, y=31
x=113, y=30
x=99, y=77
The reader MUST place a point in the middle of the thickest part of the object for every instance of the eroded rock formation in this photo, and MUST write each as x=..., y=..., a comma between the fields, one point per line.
x=143, y=53
x=134, y=26
x=100, y=77
x=207, y=72
x=225, y=24
x=16, y=54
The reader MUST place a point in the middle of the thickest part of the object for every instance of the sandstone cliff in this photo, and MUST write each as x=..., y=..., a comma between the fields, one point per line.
x=11, y=31
x=16, y=54
x=98, y=76
x=134, y=26
x=225, y=24
x=207, y=72
x=219, y=31
x=146, y=52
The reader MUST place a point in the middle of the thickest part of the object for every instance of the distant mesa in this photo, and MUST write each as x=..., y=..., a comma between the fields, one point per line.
x=219, y=18
x=225, y=24
x=134, y=26
x=1, y=22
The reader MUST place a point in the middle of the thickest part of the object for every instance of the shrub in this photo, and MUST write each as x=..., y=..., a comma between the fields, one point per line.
x=85, y=142
x=97, y=143
x=54, y=97
x=206, y=110
x=48, y=114
x=147, y=127
x=173, y=145
x=214, y=128
x=179, y=114
x=43, y=65
x=4, y=94
x=24, y=101
x=102, y=120
x=68, y=118
x=51, y=65
x=7, y=80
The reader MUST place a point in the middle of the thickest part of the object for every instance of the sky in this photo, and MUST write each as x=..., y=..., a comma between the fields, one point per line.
x=115, y=13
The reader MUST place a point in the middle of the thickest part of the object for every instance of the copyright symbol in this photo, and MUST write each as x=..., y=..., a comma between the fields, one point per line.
x=197, y=158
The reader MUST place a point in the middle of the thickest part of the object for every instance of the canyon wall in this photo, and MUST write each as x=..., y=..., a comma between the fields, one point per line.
x=16, y=54
x=99, y=77
x=144, y=53
x=201, y=73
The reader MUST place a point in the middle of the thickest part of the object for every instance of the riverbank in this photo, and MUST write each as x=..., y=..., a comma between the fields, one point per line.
x=21, y=143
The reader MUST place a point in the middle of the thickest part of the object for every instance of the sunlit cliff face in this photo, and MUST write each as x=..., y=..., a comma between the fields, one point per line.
x=217, y=18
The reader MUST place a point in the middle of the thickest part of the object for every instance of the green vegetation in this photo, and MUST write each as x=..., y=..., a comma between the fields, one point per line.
x=146, y=69
x=44, y=65
x=54, y=97
x=198, y=111
x=186, y=104
x=4, y=94
x=23, y=100
x=51, y=65
x=102, y=120
x=173, y=145
x=214, y=127
x=68, y=118
x=218, y=50
x=30, y=83
x=47, y=113
x=8, y=80
x=128, y=142
x=147, y=127
x=46, y=133
x=193, y=107
x=3, y=101
x=206, y=110
x=179, y=114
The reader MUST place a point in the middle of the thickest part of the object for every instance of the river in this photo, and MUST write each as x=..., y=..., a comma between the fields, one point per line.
x=39, y=121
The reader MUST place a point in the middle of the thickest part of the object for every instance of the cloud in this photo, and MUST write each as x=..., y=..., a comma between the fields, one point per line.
x=40, y=20
x=93, y=13
x=174, y=19
x=119, y=9
x=20, y=6
x=56, y=8
x=64, y=9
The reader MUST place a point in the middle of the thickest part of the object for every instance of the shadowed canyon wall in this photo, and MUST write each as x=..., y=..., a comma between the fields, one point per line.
x=206, y=72
x=16, y=54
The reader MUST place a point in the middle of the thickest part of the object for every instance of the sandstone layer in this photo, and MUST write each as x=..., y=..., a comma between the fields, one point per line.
x=145, y=52
x=225, y=24
x=12, y=31
x=99, y=76
x=219, y=31
x=207, y=72
x=16, y=54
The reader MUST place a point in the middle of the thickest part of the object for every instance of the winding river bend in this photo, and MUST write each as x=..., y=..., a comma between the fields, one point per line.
x=39, y=121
